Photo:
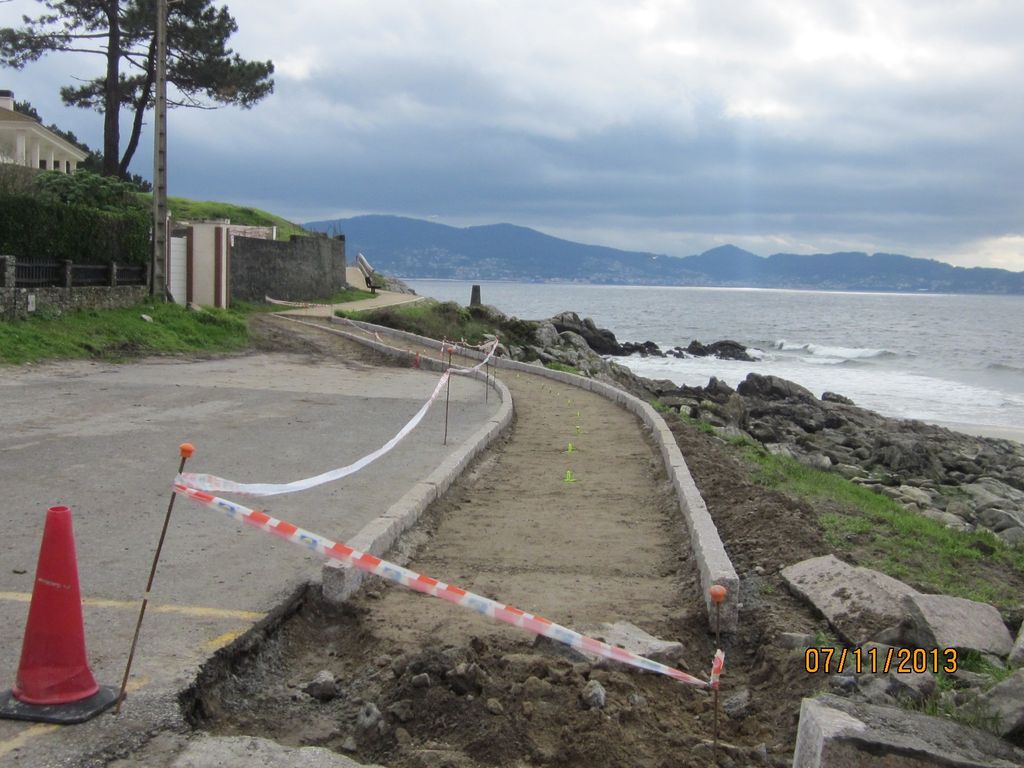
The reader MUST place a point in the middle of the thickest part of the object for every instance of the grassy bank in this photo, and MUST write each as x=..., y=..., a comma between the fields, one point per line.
x=196, y=210
x=874, y=531
x=115, y=334
x=448, y=320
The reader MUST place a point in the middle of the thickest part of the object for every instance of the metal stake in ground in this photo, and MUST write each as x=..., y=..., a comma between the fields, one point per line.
x=718, y=593
x=186, y=450
x=447, y=395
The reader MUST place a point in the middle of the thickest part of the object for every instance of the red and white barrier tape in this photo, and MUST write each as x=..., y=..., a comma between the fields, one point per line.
x=506, y=613
x=206, y=482
x=717, y=665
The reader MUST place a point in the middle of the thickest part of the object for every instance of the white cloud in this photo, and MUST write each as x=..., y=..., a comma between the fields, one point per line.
x=777, y=124
x=1003, y=251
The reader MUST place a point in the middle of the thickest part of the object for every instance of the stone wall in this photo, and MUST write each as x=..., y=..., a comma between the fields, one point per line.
x=17, y=302
x=301, y=269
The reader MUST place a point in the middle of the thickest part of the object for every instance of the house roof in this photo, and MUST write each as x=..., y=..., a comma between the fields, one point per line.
x=11, y=121
x=9, y=116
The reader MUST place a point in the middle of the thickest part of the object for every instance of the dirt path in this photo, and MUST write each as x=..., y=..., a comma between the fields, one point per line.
x=454, y=689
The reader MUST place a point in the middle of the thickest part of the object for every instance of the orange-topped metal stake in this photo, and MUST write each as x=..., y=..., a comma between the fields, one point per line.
x=185, y=450
x=718, y=594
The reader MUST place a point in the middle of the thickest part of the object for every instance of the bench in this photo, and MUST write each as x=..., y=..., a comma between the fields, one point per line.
x=373, y=281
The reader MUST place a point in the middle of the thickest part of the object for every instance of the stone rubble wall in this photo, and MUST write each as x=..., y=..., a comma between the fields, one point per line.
x=299, y=269
x=15, y=302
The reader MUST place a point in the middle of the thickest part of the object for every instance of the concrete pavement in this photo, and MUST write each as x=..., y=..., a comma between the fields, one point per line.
x=103, y=439
x=355, y=278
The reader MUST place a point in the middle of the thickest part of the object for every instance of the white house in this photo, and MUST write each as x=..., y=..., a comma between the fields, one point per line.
x=23, y=141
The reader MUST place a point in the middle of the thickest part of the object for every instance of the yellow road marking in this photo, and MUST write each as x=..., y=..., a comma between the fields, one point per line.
x=41, y=729
x=221, y=640
x=182, y=610
x=23, y=738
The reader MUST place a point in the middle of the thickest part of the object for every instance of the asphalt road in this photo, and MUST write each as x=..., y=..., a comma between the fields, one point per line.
x=103, y=439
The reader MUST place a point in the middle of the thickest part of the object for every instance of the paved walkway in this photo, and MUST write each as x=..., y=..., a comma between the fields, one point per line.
x=103, y=439
x=355, y=278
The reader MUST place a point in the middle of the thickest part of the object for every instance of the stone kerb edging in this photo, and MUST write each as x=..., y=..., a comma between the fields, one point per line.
x=712, y=560
x=379, y=535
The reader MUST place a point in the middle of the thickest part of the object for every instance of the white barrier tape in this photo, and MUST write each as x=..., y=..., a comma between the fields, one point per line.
x=537, y=625
x=481, y=347
x=206, y=482
x=214, y=483
x=299, y=304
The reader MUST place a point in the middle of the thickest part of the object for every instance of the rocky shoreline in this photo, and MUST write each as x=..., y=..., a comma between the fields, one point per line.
x=961, y=481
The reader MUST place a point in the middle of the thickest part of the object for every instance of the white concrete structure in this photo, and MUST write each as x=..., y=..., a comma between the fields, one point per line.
x=199, y=259
x=23, y=141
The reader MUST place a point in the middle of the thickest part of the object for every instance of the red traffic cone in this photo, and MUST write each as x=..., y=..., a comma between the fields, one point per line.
x=54, y=683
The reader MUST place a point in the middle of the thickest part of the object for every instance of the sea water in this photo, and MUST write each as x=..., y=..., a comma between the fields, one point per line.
x=944, y=358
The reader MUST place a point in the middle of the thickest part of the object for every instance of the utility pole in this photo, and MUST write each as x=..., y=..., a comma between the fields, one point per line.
x=159, y=268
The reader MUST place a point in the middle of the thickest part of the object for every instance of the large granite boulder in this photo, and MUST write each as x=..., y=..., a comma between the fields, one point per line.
x=839, y=733
x=941, y=621
x=1016, y=656
x=723, y=350
x=1006, y=702
x=546, y=334
x=857, y=602
x=601, y=340
x=773, y=388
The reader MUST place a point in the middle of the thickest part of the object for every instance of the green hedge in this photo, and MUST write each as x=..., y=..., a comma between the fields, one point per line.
x=31, y=228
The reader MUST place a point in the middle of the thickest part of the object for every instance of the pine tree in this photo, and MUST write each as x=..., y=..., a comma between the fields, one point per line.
x=203, y=71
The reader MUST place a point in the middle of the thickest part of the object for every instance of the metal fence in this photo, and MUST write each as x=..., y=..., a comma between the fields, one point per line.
x=90, y=274
x=132, y=274
x=37, y=274
x=40, y=274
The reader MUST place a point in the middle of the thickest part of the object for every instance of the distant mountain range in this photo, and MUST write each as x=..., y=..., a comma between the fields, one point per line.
x=413, y=248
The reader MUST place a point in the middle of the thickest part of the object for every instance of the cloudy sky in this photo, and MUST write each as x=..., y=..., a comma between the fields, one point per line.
x=670, y=126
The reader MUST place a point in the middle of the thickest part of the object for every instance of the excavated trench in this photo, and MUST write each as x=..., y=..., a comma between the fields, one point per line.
x=401, y=679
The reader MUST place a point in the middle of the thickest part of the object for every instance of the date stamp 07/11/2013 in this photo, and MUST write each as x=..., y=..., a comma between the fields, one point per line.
x=829, y=660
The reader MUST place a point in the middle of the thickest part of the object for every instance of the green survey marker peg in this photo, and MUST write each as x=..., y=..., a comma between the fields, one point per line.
x=569, y=477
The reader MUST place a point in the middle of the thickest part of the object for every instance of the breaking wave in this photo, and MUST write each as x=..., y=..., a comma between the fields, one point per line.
x=835, y=353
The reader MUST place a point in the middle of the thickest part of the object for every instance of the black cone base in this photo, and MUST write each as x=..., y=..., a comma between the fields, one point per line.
x=62, y=714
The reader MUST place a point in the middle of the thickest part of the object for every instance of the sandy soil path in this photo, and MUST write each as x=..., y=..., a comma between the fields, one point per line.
x=609, y=546
x=604, y=547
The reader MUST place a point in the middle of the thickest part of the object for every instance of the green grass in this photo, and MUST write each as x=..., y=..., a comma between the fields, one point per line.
x=973, y=661
x=971, y=715
x=554, y=365
x=438, y=320
x=250, y=307
x=886, y=536
x=349, y=294
x=197, y=210
x=119, y=333
x=449, y=320
x=703, y=426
